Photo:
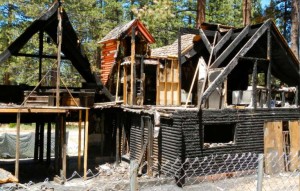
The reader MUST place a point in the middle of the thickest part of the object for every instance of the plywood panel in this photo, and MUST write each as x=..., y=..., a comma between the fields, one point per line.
x=161, y=75
x=294, y=129
x=273, y=147
x=169, y=94
x=161, y=93
x=175, y=94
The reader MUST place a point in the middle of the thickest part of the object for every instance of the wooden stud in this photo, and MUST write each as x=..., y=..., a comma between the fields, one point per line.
x=172, y=81
x=118, y=81
x=17, y=146
x=179, y=64
x=165, y=84
x=179, y=85
x=192, y=85
x=86, y=132
x=157, y=85
x=225, y=93
x=79, y=141
x=125, y=91
x=132, y=63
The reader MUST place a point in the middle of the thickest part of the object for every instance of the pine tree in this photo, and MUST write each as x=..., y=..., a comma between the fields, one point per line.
x=200, y=12
x=295, y=28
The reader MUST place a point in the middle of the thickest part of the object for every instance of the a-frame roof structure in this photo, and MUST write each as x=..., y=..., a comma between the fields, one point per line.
x=71, y=49
x=123, y=29
x=261, y=42
x=258, y=42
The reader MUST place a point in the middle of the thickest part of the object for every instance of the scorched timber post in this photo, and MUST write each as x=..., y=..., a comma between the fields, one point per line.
x=59, y=41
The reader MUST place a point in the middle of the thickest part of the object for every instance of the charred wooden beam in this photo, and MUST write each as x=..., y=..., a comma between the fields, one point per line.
x=295, y=67
x=38, y=56
x=223, y=40
x=223, y=75
x=208, y=33
x=254, y=84
x=41, y=47
x=205, y=41
x=196, y=49
x=188, y=31
x=269, y=54
x=179, y=60
x=254, y=59
x=231, y=47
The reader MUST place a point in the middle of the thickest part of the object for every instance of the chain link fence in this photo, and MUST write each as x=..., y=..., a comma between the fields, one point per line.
x=247, y=171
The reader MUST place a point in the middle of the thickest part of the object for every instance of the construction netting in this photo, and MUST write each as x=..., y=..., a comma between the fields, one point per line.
x=27, y=140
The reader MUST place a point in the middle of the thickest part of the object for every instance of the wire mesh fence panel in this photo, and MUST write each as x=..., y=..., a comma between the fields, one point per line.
x=226, y=172
x=241, y=172
x=281, y=172
x=214, y=172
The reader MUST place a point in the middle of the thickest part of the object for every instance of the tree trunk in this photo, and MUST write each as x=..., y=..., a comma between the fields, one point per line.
x=200, y=13
x=295, y=28
x=246, y=12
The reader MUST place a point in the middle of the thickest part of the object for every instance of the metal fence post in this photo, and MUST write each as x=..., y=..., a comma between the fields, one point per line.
x=260, y=172
x=133, y=175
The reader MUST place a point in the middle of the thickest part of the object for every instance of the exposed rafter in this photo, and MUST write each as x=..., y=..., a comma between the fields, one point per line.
x=223, y=75
x=223, y=40
x=205, y=40
x=231, y=47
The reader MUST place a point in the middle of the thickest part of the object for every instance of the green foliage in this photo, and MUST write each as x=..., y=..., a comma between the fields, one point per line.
x=12, y=125
x=93, y=19
x=280, y=12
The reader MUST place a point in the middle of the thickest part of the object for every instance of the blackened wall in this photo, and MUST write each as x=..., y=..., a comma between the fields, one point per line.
x=182, y=136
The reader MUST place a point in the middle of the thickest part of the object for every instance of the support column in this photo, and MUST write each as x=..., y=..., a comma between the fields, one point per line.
x=132, y=69
x=64, y=146
x=59, y=42
x=150, y=147
x=254, y=84
x=36, y=141
x=79, y=141
x=86, y=136
x=118, y=153
x=17, y=146
x=41, y=142
x=269, y=57
x=57, y=145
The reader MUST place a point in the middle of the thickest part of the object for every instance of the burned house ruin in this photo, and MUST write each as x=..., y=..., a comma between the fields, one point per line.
x=216, y=90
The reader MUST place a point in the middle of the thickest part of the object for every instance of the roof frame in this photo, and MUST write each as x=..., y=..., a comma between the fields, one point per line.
x=231, y=47
x=223, y=75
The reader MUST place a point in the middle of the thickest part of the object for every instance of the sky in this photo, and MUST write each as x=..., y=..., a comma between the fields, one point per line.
x=265, y=2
